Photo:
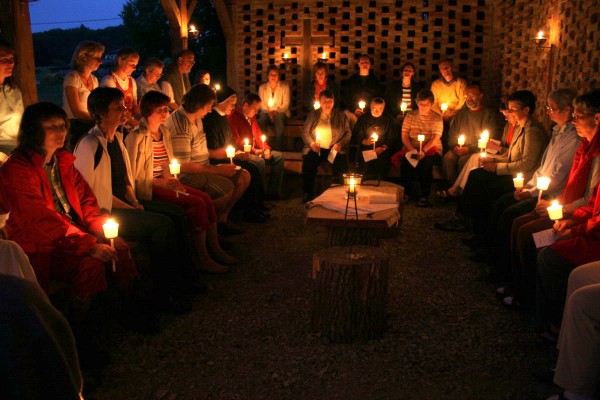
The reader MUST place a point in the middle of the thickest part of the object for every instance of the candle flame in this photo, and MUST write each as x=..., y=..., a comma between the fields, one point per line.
x=361, y=104
x=519, y=176
x=246, y=141
x=263, y=138
x=444, y=107
x=540, y=35
x=403, y=106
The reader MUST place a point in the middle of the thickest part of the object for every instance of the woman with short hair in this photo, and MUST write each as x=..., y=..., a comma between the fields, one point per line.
x=11, y=106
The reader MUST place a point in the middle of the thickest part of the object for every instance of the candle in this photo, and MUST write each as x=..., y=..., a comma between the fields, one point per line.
x=518, y=181
x=540, y=35
x=362, y=105
x=375, y=138
x=543, y=183
x=444, y=107
x=217, y=87
x=420, y=138
x=175, y=167
x=482, y=157
x=285, y=56
x=230, y=151
x=263, y=138
x=247, y=146
x=318, y=138
x=111, y=231
x=271, y=102
x=485, y=135
x=403, y=107
x=352, y=186
x=482, y=142
x=317, y=105
x=461, y=140
x=555, y=211
x=324, y=56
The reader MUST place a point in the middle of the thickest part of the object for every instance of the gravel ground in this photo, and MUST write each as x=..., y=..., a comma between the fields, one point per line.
x=250, y=336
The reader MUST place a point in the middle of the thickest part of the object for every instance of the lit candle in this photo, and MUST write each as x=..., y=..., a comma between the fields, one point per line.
x=518, y=181
x=362, y=105
x=324, y=56
x=285, y=56
x=555, y=211
x=175, y=168
x=420, y=138
x=317, y=105
x=403, y=107
x=111, y=231
x=271, y=102
x=375, y=138
x=247, y=146
x=461, y=140
x=217, y=87
x=263, y=138
x=230, y=151
x=444, y=107
x=352, y=186
x=540, y=35
x=542, y=184
x=482, y=142
x=318, y=138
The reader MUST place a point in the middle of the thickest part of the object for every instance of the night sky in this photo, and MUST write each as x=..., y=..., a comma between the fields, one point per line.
x=50, y=14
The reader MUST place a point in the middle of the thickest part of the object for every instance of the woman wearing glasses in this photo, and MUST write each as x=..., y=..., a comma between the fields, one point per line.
x=11, y=103
x=77, y=86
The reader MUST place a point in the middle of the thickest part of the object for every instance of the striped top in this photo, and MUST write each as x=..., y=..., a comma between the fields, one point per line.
x=160, y=157
x=187, y=138
x=406, y=98
x=429, y=125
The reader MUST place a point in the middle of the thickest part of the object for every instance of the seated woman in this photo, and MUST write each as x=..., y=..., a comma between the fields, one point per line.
x=55, y=217
x=326, y=131
x=77, y=86
x=149, y=148
x=148, y=80
x=103, y=161
x=422, y=121
x=11, y=107
x=320, y=82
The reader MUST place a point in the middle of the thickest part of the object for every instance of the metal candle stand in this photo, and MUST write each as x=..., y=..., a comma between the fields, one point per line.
x=348, y=197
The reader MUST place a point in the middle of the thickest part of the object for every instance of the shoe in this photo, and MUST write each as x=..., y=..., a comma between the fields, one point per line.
x=512, y=303
x=423, y=202
x=227, y=228
x=453, y=224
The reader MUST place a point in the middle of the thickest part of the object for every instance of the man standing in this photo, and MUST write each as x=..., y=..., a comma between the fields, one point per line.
x=363, y=86
x=178, y=74
x=470, y=121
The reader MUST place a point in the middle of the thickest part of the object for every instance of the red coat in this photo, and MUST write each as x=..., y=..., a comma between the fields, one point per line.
x=584, y=246
x=241, y=130
x=33, y=223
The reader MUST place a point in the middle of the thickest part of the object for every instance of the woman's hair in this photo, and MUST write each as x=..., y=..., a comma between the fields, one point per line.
x=5, y=47
x=199, y=75
x=589, y=101
x=83, y=49
x=251, y=98
x=409, y=64
x=100, y=99
x=153, y=62
x=524, y=97
x=319, y=65
x=197, y=97
x=273, y=67
x=425, y=94
x=153, y=100
x=31, y=132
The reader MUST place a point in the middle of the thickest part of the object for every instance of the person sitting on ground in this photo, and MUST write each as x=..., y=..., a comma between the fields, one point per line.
x=223, y=183
x=495, y=178
x=275, y=105
x=470, y=121
x=377, y=122
x=404, y=92
x=244, y=125
x=177, y=74
x=578, y=365
x=148, y=80
x=11, y=107
x=150, y=152
x=102, y=159
x=218, y=137
x=326, y=135
x=420, y=122
x=320, y=82
x=126, y=62
x=362, y=86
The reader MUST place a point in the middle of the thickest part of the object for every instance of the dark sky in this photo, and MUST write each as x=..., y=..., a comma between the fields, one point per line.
x=65, y=14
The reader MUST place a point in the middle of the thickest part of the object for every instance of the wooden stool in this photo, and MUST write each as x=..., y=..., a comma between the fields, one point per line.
x=350, y=293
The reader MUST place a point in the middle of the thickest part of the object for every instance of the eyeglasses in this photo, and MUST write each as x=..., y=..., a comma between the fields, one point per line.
x=550, y=110
x=582, y=116
x=7, y=60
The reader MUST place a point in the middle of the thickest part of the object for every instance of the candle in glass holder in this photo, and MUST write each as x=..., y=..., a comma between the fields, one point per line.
x=247, y=146
x=375, y=138
x=352, y=186
x=317, y=105
x=461, y=140
x=230, y=152
x=482, y=157
x=362, y=105
x=540, y=35
x=403, y=107
x=555, y=211
x=111, y=231
x=175, y=167
x=271, y=102
x=518, y=181
x=483, y=139
x=444, y=107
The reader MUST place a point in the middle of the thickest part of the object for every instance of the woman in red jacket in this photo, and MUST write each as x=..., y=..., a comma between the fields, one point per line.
x=54, y=216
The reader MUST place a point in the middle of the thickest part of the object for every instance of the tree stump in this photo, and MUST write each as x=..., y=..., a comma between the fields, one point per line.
x=350, y=293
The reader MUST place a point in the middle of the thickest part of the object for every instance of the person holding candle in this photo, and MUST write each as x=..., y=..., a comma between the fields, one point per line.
x=362, y=86
x=150, y=151
x=334, y=133
x=275, y=105
x=404, y=92
x=244, y=124
x=148, y=80
x=177, y=74
x=218, y=137
x=469, y=122
x=376, y=122
x=102, y=159
x=319, y=83
x=449, y=89
x=11, y=106
x=427, y=123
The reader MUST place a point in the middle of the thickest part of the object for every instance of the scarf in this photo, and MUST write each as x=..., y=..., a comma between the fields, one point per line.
x=582, y=163
x=319, y=89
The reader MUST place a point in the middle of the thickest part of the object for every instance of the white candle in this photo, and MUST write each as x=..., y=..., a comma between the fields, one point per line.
x=247, y=146
x=420, y=138
x=482, y=142
x=403, y=107
x=217, y=87
x=111, y=231
x=324, y=56
x=555, y=211
x=375, y=138
x=175, y=167
x=518, y=181
x=461, y=140
x=263, y=138
x=230, y=152
x=362, y=105
x=285, y=56
x=352, y=186
x=318, y=138
x=540, y=35
x=444, y=107
x=543, y=183
x=317, y=105
x=271, y=102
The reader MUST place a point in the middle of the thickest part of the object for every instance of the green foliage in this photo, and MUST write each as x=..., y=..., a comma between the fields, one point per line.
x=148, y=26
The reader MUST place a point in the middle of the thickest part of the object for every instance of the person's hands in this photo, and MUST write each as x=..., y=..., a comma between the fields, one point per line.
x=336, y=147
x=138, y=206
x=368, y=141
x=174, y=184
x=258, y=152
x=522, y=194
x=461, y=151
x=489, y=166
x=103, y=252
x=315, y=147
x=227, y=170
x=272, y=115
x=448, y=115
x=541, y=207
x=379, y=150
x=563, y=224
x=358, y=112
x=421, y=155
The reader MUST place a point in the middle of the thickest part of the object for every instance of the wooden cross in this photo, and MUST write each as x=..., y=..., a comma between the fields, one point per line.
x=306, y=40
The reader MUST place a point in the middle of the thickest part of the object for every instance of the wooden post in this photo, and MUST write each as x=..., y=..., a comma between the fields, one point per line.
x=350, y=293
x=178, y=15
x=16, y=28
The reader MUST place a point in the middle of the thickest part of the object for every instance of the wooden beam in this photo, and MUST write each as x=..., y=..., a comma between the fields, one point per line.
x=224, y=12
x=16, y=28
x=173, y=12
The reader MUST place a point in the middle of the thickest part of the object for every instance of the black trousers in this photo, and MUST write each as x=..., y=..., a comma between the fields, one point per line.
x=310, y=164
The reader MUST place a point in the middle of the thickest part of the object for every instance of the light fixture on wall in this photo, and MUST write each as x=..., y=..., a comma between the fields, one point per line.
x=286, y=58
x=323, y=57
x=193, y=32
x=540, y=40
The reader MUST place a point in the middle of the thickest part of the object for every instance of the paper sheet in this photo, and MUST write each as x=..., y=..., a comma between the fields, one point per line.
x=412, y=161
x=369, y=155
x=331, y=156
x=544, y=238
